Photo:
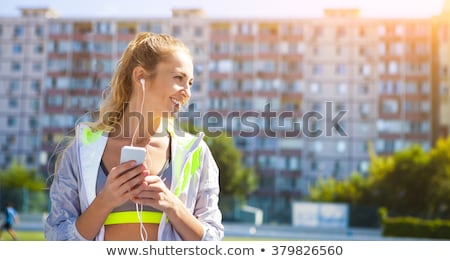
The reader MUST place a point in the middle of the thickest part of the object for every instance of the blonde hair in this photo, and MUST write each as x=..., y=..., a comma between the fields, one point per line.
x=146, y=50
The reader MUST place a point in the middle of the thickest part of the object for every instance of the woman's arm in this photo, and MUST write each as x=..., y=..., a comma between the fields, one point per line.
x=64, y=198
x=66, y=221
x=207, y=203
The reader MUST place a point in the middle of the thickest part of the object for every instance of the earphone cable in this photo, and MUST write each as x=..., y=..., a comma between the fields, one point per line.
x=139, y=207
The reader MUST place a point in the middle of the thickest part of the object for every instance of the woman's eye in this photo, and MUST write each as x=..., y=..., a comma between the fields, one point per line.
x=178, y=77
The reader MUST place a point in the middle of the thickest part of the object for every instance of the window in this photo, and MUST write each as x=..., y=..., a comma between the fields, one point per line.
x=39, y=31
x=104, y=28
x=341, y=146
x=411, y=87
x=318, y=146
x=16, y=66
x=30, y=159
x=293, y=163
x=364, y=109
x=315, y=88
x=37, y=67
x=393, y=67
x=316, y=50
x=262, y=161
x=317, y=106
x=337, y=168
x=412, y=106
x=317, y=69
x=397, y=49
x=338, y=51
x=17, y=48
x=19, y=30
x=381, y=30
x=314, y=165
x=382, y=49
x=12, y=121
x=34, y=104
x=363, y=147
x=340, y=32
x=362, y=31
x=381, y=68
x=341, y=88
x=318, y=31
x=340, y=106
x=363, y=166
x=14, y=86
x=198, y=31
x=365, y=69
x=54, y=100
x=425, y=88
x=399, y=30
x=363, y=89
x=38, y=48
x=341, y=69
x=33, y=123
x=244, y=28
x=13, y=103
x=389, y=106
x=363, y=51
x=11, y=139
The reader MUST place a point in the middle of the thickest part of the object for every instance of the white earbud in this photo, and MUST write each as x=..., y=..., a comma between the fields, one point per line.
x=142, y=82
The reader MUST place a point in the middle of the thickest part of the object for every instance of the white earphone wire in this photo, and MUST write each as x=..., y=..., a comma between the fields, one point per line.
x=140, y=207
x=140, y=115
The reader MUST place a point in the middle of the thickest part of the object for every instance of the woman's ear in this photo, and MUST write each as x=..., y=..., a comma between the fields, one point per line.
x=138, y=76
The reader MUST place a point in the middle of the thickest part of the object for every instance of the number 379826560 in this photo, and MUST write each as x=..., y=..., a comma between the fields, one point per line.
x=307, y=250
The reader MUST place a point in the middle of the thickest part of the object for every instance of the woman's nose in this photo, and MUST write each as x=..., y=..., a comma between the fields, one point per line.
x=187, y=90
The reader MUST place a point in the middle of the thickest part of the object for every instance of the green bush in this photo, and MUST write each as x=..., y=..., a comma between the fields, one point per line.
x=415, y=227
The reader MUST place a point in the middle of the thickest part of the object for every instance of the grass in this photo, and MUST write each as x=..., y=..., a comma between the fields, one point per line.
x=24, y=236
x=39, y=236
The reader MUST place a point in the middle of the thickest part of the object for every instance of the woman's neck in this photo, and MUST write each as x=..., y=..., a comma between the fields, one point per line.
x=138, y=129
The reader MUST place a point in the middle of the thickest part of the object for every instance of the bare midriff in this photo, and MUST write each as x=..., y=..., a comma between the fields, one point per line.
x=131, y=232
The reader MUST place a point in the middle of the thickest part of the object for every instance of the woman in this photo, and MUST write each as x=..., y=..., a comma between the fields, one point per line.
x=173, y=194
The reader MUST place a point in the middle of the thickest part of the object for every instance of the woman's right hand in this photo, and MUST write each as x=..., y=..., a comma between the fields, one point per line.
x=123, y=183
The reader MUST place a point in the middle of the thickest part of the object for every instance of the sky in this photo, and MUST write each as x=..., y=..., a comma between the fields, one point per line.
x=227, y=8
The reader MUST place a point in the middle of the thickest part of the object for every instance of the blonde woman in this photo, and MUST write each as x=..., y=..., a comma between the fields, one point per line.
x=173, y=194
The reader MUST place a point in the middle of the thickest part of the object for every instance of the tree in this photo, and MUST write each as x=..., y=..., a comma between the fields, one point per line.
x=401, y=182
x=16, y=182
x=440, y=181
x=349, y=190
x=236, y=179
x=410, y=182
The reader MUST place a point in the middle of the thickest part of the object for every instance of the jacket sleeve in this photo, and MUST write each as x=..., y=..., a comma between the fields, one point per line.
x=206, y=208
x=64, y=198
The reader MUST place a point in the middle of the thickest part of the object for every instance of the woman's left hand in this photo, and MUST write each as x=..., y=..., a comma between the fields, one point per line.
x=156, y=195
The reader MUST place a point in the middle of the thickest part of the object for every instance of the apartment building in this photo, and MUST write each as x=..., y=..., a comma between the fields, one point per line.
x=303, y=98
x=22, y=75
x=441, y=69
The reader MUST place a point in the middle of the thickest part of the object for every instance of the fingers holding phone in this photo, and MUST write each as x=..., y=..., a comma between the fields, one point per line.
x=126, y=180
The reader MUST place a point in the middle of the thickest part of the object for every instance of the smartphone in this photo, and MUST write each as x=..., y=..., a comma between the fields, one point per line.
x=132, y=153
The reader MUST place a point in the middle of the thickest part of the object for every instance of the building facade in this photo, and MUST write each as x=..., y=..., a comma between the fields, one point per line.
x=22, y=74
x=303, y=98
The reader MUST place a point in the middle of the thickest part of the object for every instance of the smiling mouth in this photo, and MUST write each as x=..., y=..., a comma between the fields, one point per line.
x=175, y=101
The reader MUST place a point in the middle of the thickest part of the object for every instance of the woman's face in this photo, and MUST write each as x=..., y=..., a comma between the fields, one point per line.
x=171, y=86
